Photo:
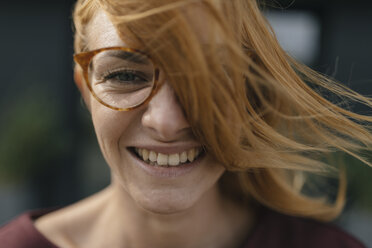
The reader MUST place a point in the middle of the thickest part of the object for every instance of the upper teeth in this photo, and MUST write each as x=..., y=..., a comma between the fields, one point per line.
x=162, y=159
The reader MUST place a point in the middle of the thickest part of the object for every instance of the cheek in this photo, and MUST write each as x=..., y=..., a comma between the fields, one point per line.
x=110, y=127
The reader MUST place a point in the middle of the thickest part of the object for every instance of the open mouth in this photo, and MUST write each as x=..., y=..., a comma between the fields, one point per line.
x=168, y=160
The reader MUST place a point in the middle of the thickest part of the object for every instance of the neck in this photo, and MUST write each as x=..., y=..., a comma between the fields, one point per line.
x=212, y=222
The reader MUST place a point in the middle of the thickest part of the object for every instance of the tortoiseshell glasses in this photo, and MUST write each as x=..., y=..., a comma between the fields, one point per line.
x=120, y=78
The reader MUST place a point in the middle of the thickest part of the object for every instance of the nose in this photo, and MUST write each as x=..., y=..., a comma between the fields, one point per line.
x=164, y=116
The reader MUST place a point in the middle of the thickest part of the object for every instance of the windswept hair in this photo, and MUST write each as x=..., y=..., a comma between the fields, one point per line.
x=259, y=112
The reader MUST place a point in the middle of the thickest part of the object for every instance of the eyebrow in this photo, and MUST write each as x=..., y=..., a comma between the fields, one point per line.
x=137, y=58
x=141, y=59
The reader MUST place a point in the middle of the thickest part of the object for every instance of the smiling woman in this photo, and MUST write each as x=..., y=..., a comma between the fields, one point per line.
x=209, y=129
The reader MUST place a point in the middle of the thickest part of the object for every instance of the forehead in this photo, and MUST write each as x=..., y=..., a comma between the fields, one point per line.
x=102, y=33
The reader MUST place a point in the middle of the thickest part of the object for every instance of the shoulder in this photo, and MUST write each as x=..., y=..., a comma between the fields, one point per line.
x=21, y=232
x=278, y=230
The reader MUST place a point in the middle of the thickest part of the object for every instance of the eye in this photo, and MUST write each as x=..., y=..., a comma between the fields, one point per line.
x=124, y=77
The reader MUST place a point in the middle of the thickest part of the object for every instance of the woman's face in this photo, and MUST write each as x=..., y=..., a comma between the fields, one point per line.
x=159, y=127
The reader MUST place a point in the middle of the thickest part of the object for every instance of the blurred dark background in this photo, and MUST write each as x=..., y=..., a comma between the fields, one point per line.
x=48, y=152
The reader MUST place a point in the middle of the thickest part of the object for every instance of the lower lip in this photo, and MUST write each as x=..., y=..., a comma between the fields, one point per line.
x=167, y=172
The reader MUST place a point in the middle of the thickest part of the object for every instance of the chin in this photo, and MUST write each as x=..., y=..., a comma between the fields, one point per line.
x=166, y=203
x=167, y=196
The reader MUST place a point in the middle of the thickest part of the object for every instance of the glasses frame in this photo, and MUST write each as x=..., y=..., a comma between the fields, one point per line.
x=84, y=58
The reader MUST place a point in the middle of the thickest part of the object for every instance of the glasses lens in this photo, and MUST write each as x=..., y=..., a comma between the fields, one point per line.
x=120, y=78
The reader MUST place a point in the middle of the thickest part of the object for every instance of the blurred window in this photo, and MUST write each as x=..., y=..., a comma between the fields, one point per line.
x=298, y=33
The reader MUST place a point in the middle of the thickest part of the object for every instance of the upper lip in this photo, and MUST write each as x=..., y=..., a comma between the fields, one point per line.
x=168, y=149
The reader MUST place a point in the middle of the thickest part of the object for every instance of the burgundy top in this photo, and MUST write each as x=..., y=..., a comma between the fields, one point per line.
x=273, y=230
